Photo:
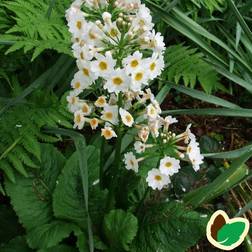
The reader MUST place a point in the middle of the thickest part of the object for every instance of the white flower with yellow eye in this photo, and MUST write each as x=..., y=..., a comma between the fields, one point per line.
x=127, y=118
x=157, y=180
x=103, y=66
x=143, y=134
x=132, y=62
x=100, y=102
x=85, y=74
x=82, y=52
x=85, y=108
x=152, y=112
x=117, y=81
x=73, y=102
x=139, y=147
x=77, y=24
x=154, y=126
x=93, y=35
x=156, y=42
x=131, y=163
x=94, y=122
x=154, y=65
x=110, y=114
x=108, y=133
x=169, y=166
x=143, y=19
x=138, y=79
x=79, y=120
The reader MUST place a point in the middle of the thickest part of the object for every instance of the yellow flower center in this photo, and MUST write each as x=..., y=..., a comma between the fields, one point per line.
x=158, y=178
x=92, y=35
x=139, y=76
x=82, y=56
x=153, y=66
x=189, y=149
x=168, y=164
x=85, y=71
x=107, y=133
x=79, y=25
x=103, y=65
x=128, y=118
x=77, y=85
x=78, y=118
x=117, y=81
x=134, y=63
x=109, y=115
x=85, y=108
x=93, y=122
x=141, y=22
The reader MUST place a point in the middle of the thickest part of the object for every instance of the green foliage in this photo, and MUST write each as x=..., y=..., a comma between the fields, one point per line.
x=210, y=5
x=21, y=132
x=169, y=227
x=68, y=200
x=17, y=244
x=187, y=64
x=35, y=29
x=120, y=228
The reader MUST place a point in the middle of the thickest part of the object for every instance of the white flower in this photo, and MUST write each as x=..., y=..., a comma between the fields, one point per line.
x=154, y=65
x=93, y=35
x=188, y=135
x=73, y=102
x=143, y=19
x=139, y=147
x=169, y=166
x=110, y=114
x=117, y=81
x=152, y=112
x=106, y=16
x=112, y=32
x=157, y=180
x=94, y=123
x=108, y=133
x=167, y=121
x=79, y=120
x=77, y=24
x=100, y=102
x=127, y=118
x=82, y=52
x=132, y=62
x=139, y=78
x=130, y=161
x=103, y=66
x=156, y=42
x=193, y=153
x=78, y=85
x=85, y=74
x=154, y=126
x=85, y=108
x=143, y=134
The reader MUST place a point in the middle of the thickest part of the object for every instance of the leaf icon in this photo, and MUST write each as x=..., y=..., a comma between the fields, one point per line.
x=225, y=233
x=230, y=233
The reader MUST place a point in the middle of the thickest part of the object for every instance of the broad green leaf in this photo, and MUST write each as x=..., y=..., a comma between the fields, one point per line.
x=230, y=233
x=49, y=235
x=68, y=196
x=18, y=244
x=169, y=227
x=59, y=248
x=31, y=197
x=120, y=228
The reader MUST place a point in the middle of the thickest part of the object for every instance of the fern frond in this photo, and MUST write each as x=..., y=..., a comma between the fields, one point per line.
x=185, y=63
x=21, y=132
x=211, y=5
x=33, y=30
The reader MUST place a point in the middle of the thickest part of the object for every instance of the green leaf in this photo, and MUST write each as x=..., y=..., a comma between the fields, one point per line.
x=230, y=233
x=68, y=195
x=120, y=228
x=31, y=197
x=18, y=244
x=59, y=248
x=49, y=235
x=169, y=227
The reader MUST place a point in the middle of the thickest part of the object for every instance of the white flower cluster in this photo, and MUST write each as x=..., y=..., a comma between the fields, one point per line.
x=156, y=136
x=118, y=53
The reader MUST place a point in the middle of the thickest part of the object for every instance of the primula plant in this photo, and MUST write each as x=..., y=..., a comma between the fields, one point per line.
x=119, y=54
x=103, y=145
